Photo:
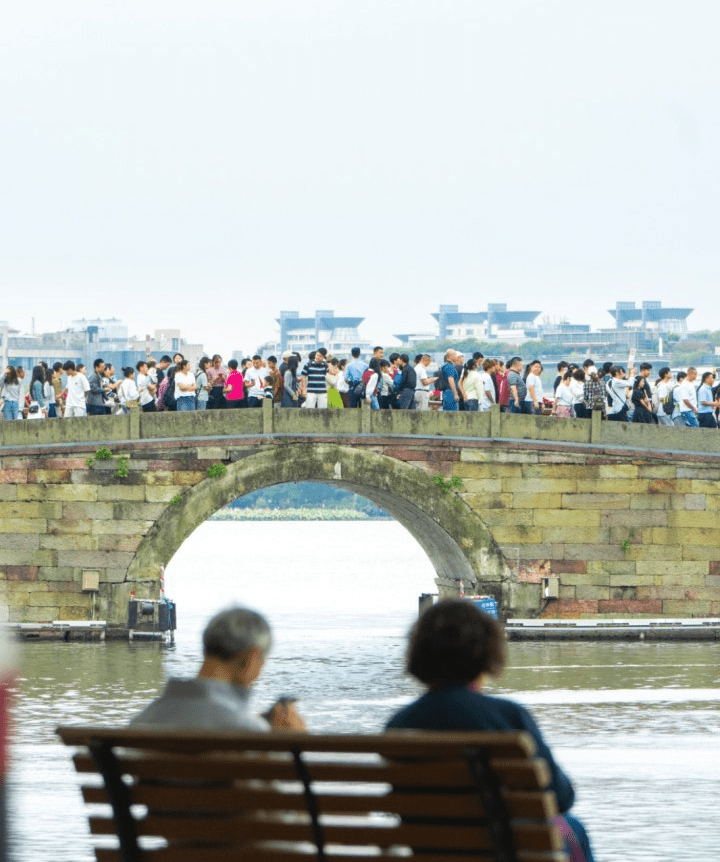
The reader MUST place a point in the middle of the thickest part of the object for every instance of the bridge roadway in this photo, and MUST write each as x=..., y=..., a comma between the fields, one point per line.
x=556, y=518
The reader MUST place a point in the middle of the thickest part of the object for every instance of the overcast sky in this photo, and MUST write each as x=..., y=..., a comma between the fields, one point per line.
x=203, y=165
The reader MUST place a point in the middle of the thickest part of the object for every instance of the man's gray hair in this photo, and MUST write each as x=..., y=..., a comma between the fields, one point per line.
x=234, y=631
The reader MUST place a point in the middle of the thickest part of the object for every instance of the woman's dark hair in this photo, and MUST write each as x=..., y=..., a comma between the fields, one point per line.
x=38, y=373
x=579, y=374
x=662, y=372
x=204, y=362
x=292, y=363
x=453, y=642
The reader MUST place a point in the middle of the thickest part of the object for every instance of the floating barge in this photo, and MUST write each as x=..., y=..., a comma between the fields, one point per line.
x=63, y=629
x=663, y=629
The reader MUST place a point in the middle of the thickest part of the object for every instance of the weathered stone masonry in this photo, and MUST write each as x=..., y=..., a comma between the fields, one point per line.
x=626, y=528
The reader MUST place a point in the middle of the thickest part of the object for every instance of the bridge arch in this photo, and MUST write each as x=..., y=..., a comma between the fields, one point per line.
x=458, y=544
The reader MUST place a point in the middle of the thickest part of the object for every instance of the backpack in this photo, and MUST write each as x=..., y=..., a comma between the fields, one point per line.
x=365, y=379
x=161, y=402
x=668, y=403
x=441, y=383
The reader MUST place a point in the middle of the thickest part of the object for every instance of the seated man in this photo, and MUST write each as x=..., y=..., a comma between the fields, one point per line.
x=235, y=645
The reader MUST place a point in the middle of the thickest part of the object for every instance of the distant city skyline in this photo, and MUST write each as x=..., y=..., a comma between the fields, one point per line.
x=203, y=166
x=193, y=335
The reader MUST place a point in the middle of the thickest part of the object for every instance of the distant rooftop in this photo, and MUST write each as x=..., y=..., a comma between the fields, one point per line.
x=293, y=323
x=651, y=311
x=497, y=312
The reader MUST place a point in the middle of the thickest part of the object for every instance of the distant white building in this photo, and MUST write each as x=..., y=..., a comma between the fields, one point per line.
x=303, y=334
x=86, y=340
x=495, y=324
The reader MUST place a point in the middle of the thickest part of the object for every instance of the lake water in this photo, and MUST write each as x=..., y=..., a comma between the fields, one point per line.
x=637, y=726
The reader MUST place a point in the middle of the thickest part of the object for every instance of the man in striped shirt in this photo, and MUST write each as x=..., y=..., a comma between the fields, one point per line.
x=315, y=385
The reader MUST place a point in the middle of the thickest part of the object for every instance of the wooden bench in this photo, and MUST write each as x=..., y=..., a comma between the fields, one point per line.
x=209, y=796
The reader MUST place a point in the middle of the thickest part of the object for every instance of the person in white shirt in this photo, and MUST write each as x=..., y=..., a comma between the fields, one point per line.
x=685, y=396
x=146, y=388
x=77, y=386
x=707, y=403
x=534, y=387
x=618, y=391
x=255, y=377
x=564, y=398
x=663, y=390
x=470, y=387
x=423, y=380
x=487, y=386
x=127, y=391
x=185, y=387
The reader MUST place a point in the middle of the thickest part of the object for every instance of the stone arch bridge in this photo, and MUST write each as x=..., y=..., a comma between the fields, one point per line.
x=556, y=518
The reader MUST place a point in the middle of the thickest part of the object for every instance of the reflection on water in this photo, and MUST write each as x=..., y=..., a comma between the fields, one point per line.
x=636, y=725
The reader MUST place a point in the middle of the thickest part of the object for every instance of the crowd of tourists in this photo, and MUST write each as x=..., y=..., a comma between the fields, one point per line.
x=392, y=382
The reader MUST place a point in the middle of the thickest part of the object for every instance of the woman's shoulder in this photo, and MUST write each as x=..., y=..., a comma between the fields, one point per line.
x=461, y=708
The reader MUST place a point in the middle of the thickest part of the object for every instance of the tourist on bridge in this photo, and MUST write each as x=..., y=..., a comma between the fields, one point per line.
x=405, y=383
x=216, y=375
x=707, y=402
x=516, y=385
x=353, y=377
x=642, y=397
x=234, y=389
x=447, y=382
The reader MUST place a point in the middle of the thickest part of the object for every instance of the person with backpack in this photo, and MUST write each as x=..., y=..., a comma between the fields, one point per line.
x=618, y=393
x=664, y=386
x=353, y=377
x=372, y=383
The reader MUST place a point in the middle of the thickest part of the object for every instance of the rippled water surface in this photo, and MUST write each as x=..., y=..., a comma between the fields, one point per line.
x=636, y=725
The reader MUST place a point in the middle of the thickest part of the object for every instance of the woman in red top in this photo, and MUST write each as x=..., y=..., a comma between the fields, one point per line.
x=234, y=389
x=501, y=385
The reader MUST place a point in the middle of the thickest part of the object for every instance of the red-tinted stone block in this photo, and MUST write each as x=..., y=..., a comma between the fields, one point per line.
x=21, y=573
x=568, y=567
x=630, y=606
x=13, y=474
x=407, y=454
x=570, y=608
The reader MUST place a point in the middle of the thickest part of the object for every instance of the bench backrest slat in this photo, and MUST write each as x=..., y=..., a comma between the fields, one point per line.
x=205, y=797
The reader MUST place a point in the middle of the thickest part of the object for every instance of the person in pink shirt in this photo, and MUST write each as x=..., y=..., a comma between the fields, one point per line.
x=234, y=389
x=501, y=385
x=216, y=375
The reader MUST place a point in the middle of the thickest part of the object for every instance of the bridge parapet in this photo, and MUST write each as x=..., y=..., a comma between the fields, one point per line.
x=491, y=425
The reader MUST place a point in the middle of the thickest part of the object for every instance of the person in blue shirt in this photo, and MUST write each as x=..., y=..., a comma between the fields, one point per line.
x=450, y=377
x=453, y=648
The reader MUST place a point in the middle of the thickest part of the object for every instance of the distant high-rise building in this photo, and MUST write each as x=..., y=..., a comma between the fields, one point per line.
x=497, y=323
x=650, y=315
x=338, y=334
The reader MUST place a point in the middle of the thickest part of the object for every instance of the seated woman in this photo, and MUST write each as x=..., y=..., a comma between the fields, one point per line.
x=453, y=647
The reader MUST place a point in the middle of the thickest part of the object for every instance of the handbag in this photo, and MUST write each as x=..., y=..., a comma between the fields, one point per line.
x=34, y=407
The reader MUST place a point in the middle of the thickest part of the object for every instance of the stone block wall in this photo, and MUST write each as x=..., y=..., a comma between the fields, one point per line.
x=626, y=535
